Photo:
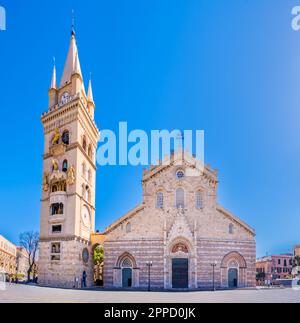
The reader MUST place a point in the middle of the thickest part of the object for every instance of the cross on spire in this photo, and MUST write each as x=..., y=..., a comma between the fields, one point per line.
x=73, y=23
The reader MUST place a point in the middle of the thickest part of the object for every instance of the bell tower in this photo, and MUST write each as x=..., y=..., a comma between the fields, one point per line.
x=69, y=177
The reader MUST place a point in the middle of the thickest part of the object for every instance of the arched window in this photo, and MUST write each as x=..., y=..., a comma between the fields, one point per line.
x=54, y=189
x=231, y=229
x=83, y=169
x=128, y=228
x=66, y=137
x=84, y=144
x=199, y=200
x=90, y=151
x=180, y=198
x=159, y=200
x=65, y=166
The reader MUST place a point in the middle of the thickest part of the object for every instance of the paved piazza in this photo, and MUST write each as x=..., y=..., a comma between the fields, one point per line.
x=31, y=294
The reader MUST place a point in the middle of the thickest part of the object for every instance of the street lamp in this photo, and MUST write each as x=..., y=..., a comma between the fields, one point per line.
x=149, y=265
x=214, y=264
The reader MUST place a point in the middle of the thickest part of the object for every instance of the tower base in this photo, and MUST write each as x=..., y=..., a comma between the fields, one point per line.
x=65, y=269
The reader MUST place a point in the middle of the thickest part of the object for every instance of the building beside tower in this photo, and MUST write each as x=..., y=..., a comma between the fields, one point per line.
x=179, y=232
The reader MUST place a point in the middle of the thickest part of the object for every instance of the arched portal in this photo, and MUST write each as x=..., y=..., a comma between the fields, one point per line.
x=233, y=271
x=126, y=272
x=180, y=264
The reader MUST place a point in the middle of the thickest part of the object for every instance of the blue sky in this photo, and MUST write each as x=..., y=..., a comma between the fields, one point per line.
x=231, y=68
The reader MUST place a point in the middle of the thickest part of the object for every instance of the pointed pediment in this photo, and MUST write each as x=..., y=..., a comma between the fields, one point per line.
x=193, y=166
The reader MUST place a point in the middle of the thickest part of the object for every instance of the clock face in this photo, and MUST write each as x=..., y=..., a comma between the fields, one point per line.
x=65, y=98
x=85, y=216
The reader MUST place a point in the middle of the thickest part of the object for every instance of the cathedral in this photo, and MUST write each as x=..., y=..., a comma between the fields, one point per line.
x=179, y=237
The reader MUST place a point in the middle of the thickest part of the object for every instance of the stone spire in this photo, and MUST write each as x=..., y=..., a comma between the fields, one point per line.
x=72, y=65
x=53, y=80
x=90, y=97
x=90, y=100
x=52, y=93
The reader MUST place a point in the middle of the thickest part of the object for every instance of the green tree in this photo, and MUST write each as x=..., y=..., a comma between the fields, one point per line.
x=98, y=265
x=98, y=255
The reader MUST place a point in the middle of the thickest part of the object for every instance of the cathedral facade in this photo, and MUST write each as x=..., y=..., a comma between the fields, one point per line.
x=179, y=237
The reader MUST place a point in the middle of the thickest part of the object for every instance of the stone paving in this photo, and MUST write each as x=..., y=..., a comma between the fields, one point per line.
x=33, y=294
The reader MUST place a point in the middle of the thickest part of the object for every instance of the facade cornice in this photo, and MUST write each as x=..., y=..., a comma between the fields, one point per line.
x=198, y=239
x=65, y=238
x=58, y=111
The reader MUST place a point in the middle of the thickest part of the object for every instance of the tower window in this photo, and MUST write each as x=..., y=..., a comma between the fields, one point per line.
x=65, y=166
x=159, y=200
x=66, y=138
x=90, y=151
x=56, y=229
x=55, y=251
x=180, y=198
x=199, y=200
x=57, y=209
x=84, y=144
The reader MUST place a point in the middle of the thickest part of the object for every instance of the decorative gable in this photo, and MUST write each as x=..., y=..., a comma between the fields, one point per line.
x=180, y=228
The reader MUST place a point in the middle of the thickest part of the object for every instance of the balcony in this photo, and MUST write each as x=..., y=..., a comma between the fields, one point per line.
x=58, y=197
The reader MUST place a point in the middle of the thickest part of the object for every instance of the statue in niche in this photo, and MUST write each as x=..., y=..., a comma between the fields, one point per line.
x=180, y=211
x=55, y=166
x=56, y=137
x=71, y=176
x=45, y=182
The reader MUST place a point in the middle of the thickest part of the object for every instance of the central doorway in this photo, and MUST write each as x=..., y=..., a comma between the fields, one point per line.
x=233, y=278
x=180, y=273
x=127, y=277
